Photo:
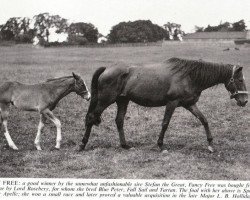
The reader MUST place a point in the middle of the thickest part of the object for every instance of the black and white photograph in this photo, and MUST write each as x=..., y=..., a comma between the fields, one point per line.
x=124, y=91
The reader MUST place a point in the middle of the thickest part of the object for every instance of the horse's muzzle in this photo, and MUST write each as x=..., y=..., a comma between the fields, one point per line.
x=242, y=103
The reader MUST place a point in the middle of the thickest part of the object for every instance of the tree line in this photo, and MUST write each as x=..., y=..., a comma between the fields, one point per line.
x=44, y=25
x=223, y=27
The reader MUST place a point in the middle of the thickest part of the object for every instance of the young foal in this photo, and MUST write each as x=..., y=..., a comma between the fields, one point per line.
x=42, y=98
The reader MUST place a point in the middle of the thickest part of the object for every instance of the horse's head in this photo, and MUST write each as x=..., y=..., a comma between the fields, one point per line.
x=237, y=87
x=80, y=87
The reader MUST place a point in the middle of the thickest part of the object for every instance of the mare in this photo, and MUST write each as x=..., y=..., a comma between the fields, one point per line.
x=43, y=98
x=173, y=83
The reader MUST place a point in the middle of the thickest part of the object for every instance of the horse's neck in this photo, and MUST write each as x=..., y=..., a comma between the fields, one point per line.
x=62, y=88
x=223, y=74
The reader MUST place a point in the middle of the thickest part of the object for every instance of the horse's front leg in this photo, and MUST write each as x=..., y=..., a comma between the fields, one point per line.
x=93, y=117
x=4, y=115
x=170, y=107
x=197, y=113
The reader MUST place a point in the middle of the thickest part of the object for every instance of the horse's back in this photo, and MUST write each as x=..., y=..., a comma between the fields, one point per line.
x=147, y=85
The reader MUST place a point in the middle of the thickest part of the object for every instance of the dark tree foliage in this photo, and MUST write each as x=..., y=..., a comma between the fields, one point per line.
x=239, y=26
x=137, y=31
x=82, y=33
x=17, y=29
x=7, y=35
x=223, y=27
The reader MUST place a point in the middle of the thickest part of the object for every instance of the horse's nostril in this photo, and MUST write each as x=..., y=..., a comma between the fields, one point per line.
x=246, y=101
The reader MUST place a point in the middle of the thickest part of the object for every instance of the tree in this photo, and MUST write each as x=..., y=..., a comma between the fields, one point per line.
x=239, y=26
x=44, y=22
x=82, y=33
x=199, y=29
x=137, y=31
x=18, y=29
x=223, y=27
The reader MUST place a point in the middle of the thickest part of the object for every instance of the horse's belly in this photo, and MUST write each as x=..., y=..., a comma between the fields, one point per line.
x=148, y=99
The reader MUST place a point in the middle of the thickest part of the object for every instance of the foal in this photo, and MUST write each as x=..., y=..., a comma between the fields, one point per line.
x=43, y=98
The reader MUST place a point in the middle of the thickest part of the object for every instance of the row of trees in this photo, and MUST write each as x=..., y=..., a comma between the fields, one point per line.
x=223, y=27
x=44, y=25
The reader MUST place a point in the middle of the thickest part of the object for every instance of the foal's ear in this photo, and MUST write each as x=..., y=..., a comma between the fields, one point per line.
x=238, y=69
x=75, y=76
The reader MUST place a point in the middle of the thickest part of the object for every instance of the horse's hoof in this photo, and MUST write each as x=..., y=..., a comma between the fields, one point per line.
x=210, y=149
x=125, y=146
x=81, y=147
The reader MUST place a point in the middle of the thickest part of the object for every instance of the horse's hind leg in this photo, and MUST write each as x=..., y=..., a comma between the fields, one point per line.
x=47, y=113
x=39, y=131
x=122, y=104
x=4, y=115
x=197, y=113
x=170, y=107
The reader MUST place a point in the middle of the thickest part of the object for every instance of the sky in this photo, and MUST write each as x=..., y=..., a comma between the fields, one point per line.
x=106, y=13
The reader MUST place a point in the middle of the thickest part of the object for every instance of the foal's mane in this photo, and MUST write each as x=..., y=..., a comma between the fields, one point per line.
x=201, y=72
x=59, y=78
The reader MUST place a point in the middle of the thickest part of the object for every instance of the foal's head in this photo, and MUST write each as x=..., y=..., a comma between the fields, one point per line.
x=237, y=87
x=80, y=87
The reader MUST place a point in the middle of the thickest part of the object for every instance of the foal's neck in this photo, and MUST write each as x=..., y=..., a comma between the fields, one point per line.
x=63, y=87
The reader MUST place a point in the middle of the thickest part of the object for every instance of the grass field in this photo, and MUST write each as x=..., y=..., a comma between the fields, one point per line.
x=185, y=140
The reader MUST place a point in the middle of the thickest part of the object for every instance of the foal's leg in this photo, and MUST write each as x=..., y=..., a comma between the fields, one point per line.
x=4, y=115
x=38, y=135
x=122, y=105
x=197, y=113
x=170, y=107
x=47, y=113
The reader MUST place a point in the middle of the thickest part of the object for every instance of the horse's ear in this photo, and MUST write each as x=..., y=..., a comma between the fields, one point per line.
x=75, y=76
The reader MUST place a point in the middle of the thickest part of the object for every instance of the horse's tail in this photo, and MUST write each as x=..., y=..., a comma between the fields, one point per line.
x=94, y=88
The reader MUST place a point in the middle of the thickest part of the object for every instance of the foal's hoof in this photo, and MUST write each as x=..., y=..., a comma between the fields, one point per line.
x=13, y=148
x=125, y=146
x=164, y=151
x=54, y=149
x=210, y=149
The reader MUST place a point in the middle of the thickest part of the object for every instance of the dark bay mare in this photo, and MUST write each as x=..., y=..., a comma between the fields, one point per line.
x=176, y=82
x=43, y=98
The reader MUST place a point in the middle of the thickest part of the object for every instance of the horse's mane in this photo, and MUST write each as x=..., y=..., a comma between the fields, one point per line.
x=58, y=78
x=201, y=72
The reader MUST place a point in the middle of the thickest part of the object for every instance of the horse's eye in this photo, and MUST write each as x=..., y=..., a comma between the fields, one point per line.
x=241, y=80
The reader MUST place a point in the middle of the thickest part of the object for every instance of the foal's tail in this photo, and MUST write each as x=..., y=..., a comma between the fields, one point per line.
x=94, y=88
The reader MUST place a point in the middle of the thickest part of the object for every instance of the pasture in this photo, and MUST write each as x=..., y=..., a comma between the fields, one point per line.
x=185, y=140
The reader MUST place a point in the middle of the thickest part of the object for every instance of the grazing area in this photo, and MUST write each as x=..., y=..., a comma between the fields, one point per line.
x=185, y=139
